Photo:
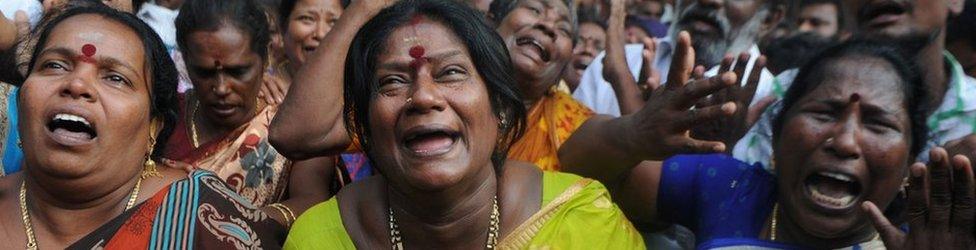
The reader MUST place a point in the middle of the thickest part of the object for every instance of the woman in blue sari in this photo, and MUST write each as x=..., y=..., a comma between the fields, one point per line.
x=844, y=144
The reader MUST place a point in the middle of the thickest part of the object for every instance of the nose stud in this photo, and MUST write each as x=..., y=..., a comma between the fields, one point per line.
x=409, y=100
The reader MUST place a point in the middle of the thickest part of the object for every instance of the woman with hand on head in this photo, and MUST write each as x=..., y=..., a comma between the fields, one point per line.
x=97, y=106
x=429, y=90
x=844, y=143
x=223, y=124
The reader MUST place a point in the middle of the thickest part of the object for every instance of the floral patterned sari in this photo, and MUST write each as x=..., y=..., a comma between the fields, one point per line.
x=243, y=158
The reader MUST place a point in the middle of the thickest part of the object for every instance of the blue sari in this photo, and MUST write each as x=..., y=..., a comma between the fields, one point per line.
x=724, y=201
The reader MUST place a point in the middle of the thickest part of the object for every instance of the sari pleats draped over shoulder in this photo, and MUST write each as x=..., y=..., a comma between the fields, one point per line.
x=549, y=123
x=243, y=158
x=198, y=212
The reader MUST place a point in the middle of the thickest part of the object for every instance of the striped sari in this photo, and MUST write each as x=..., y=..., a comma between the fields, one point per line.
x=198, y=212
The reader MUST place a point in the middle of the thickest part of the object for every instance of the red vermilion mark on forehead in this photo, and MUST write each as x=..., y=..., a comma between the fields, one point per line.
x=87, y=54
x=855, y=98
x=418, y=54
x=88, y=50
x=416, y=19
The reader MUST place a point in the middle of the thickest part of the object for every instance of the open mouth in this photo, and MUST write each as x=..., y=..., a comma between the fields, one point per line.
x=535, y=45
x=882, y=14
x=430, y=141
x=69, y=129
x=832, y=190
x=581, y=65
x=223, y=110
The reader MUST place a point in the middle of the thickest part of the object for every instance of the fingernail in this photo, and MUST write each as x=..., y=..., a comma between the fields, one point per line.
x=916, y=172
x=728, y=77
x=719, y=148
x=728, y=107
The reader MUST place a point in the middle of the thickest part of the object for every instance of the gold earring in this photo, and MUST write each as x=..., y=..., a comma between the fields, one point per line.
x=149, y=167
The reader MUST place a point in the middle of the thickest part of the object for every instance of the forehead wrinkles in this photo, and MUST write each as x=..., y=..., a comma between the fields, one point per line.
x=424, y=32
x=872, y=78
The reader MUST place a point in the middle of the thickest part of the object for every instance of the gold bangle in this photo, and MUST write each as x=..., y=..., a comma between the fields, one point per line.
x=285, y=212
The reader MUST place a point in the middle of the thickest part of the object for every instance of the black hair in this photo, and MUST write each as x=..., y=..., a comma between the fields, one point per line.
x=812, y=75
x=163, y=95
x=963, y=27
x=488, y=51
x=499, y=9
x=590, y=15
x=794, y=50
x=287, y=6
x=841, y=21
x=211, y=15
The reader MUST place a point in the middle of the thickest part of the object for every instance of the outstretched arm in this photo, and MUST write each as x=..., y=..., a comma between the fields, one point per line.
x=309, y=122
x=605, y=148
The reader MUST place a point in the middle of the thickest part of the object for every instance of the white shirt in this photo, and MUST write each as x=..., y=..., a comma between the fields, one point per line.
x=33, y=8
x=596, y=93
x=955, y=118
x=162, y=20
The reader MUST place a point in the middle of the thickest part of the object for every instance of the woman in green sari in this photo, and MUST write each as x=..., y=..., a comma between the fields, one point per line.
x=430, y=93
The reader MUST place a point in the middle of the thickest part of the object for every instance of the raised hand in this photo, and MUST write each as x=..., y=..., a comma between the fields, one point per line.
x=273, y=89
x=615, y=69
x=940, y=206
x=664, y=122
x=731, y=128
x=965, y=146
x=649, y=75
x=22, y=23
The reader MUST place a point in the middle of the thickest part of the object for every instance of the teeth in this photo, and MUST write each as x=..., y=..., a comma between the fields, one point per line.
x=837, y=176
x=839, y=202
x=70, y=117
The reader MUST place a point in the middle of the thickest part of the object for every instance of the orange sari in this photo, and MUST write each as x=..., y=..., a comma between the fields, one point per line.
x=550, y=122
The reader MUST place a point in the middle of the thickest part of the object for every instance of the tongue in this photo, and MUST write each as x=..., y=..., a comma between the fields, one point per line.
x=71, y=135
x=430, y=143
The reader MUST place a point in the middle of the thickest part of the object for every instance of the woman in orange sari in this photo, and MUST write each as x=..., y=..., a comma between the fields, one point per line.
x=539, y=35
x=223, y=126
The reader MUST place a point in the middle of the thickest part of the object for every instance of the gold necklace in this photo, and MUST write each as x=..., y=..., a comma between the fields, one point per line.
x=493, y=228
x=772, y=225
x=31, y=239
x=193, y=121
x=193, y=125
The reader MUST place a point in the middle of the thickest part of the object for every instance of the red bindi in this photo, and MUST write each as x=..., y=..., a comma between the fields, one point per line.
x=88, y=50
x=855, y=98
x=417, y=52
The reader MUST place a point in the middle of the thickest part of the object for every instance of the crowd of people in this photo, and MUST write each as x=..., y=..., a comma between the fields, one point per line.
x=471, y=124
